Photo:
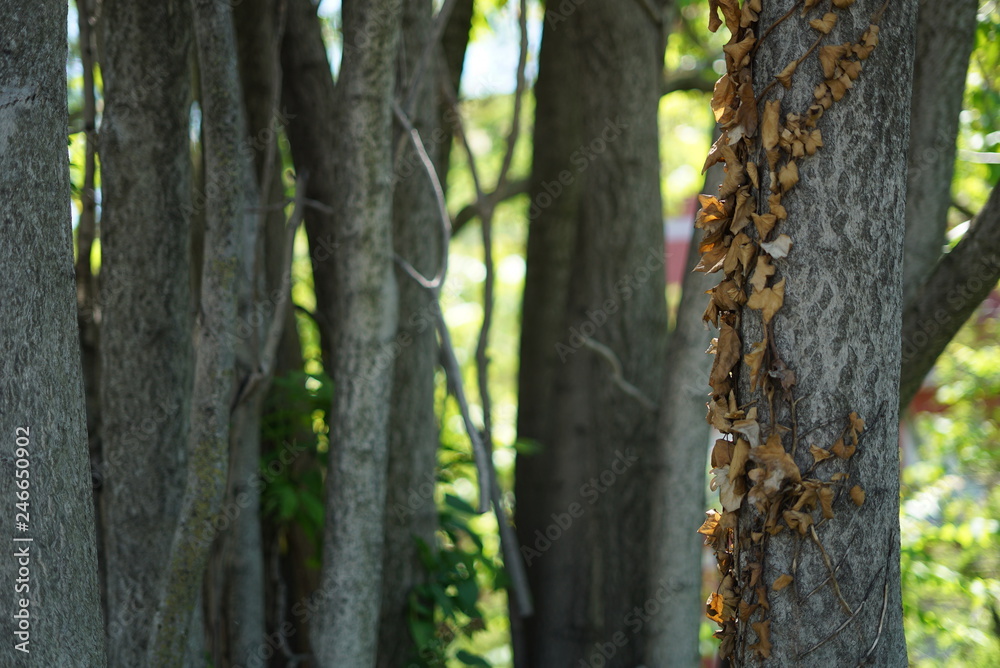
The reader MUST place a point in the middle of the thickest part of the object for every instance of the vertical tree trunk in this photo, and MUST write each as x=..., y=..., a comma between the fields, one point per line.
x=679, y=477
x=413, y=435
x=593, y=299
x=225, y=174
x=49, y=571
x=146, y=307
x=945, y=36
x=364, y=303
x=831, y=351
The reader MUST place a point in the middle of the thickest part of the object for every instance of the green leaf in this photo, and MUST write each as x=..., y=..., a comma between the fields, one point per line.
x=470, y=659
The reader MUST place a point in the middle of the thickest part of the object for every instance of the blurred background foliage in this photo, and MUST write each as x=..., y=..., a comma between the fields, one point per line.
x=950, y=495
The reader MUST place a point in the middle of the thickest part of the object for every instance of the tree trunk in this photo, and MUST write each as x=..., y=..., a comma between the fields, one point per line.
x=146, y=306
x=411, y=515
x=679, y=479
x=50, y=567
x=364, y=303
x=829, y=358
x=226, y=218
x=593, y=299
x=945, y=36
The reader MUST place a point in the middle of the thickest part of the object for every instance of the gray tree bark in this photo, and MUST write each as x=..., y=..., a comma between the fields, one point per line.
x=146, y=307
x=593, y=298
x=364, y=304
x=411, y=515
x=838, y=331
x=946, y=33
x=679, y=478
x=223, y=131
x=50, y=569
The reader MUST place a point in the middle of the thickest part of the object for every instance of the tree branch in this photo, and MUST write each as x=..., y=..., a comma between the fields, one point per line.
x=961, y=280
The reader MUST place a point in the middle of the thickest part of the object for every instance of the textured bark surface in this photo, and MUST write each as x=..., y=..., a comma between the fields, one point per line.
x=364, y=306
x=411, y=515
x=679, y=476
x=957, y=286
x=839, y=330
x=41, y=386
x=595, y=269
x=946, y=33
x=145, y=306
x=308, y=96
x=223, y=132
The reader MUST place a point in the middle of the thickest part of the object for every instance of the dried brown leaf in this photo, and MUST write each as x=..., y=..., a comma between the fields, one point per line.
x=825, y=24
x=781, y=582
x=785, y=75
x=788, y=176
x=763, y=271
x=768, y=300
x=857, y=495
x=763, y=644
x=779, y=247
x=819, y=454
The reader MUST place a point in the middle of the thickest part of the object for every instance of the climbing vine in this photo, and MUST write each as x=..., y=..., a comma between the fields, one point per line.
x=745, y=231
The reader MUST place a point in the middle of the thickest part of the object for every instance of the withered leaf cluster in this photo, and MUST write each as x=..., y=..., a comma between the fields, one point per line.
x=742, y=240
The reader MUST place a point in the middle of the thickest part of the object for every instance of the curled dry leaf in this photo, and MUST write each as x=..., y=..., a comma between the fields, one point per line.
x=825, y=495
x=745, y=204
x=842, y=4
x=768, y=300
x=749, y=428
x=722, y=453
x=857, y=424
x=825, y=24
x=727, y=355
x=857, y=495
x=722, y=97
x=738, y=53
x=779, y=468
x=763, y=644
x=731, y=491
x=710, y=525
x=798, y=520
x=785, y=76
x=751, y=12
x=809, y=5
x=752, y=173
x=713, y=607
x=753, y=359
x=774, y=204
x=738, y=464
x=763, y=271
x=782, y=582
x=841, y=450
x=829, y=56
x=769, y=124
x=779, y=247
x=819, y=454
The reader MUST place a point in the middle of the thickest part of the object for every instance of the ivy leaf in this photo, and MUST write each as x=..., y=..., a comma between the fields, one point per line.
x=779, y=247
x=768, y=300
x=785, y=76
x=819, y=454
x=842, y=4
x=782, y=582
x=470, y=659
x=763, y=644
x=764, y=270
x=857, y=495
x=788, y=176
x=825, y=24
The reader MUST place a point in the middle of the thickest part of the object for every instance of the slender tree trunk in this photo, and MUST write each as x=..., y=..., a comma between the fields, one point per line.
x=146, y=307
x=224, y=131
x=679, y=482
x=49, y=570
x=831, y=354
x=411, y=515
x=593, y=300
x=945, y=36
x=365, y=303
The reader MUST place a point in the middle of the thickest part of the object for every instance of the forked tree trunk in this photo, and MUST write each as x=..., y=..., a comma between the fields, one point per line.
x=146, y=306
x=593, y=299
x=49, y=570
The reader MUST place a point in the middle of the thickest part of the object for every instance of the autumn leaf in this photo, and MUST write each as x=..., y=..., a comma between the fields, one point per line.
x=727, y=355
x=819, y=454
x=741, y=454
x=825, y=24
x=837, y=477
x=751, y=12
x=749, y=428
x=721, y=453
x=745, y=204
x=785, y=76
x=763, y=271
x=809, y=5
x=731, y=490
x=768, y=300
x=829, y=57
x=857, y=424
x=722, y=97
x=774, y=204
x=788, y=176
x=798, y=520
x=764, y=223
x=763, y=644
x=841, y=450
x=769, y=124
x=842, y=4
x=782, y=582
x=711, y=522
x=779, y=247
x=857, y=495
x=826, y=501
x=780, y=469
x=738, y=51
x=713, y=607
x=753, y=359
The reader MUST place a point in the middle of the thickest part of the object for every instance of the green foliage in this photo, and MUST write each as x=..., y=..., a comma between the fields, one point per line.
x=950, y=505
